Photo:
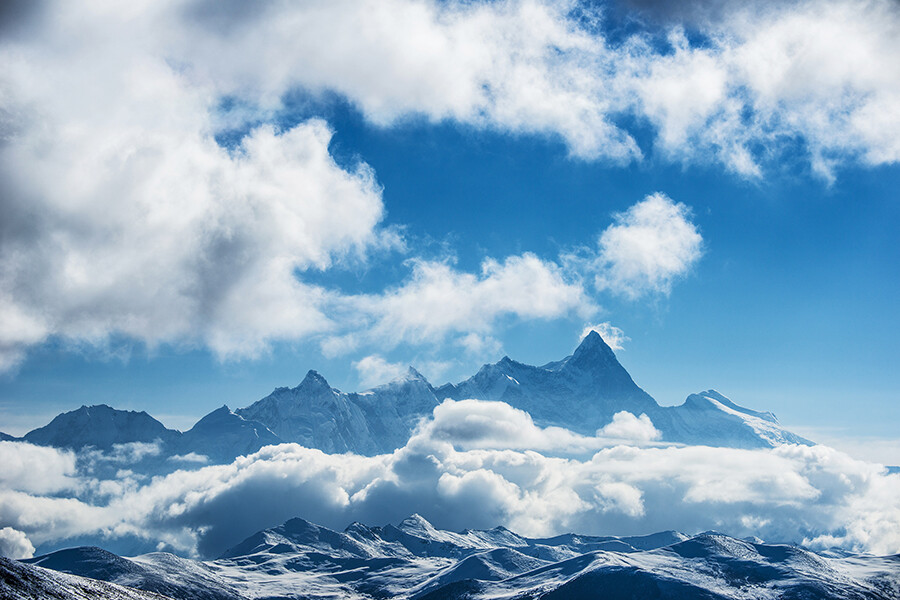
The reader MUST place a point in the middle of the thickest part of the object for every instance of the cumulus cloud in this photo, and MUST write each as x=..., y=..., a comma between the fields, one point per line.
x=651, y=245
x=123, y=215
x=626, y=426
x=374, y=370
x=480, y=464
x=764, y=72
x=30, y=468
x=614, y=337
x=439, y=299
x=14, y=544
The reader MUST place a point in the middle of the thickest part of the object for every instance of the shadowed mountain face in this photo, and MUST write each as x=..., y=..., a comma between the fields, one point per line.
x=101, y=427
x=413, y=559
x=581, y=392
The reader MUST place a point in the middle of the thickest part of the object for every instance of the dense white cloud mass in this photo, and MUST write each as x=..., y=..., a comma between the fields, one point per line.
x=29, y=468
x=439, y=299
x=650, y=245
x=123, y=215
x=480, y=464
x=14, y=544
x=822, y=72
x=627, y=427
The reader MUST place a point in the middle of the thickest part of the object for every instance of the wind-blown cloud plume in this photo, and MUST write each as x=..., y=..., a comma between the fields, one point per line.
x=480, y=464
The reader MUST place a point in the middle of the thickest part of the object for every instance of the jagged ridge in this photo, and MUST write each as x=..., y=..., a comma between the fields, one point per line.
x=581, y=392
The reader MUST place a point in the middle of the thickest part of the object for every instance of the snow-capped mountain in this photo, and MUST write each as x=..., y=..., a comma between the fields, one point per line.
x=413, y=559
x=100, y=426
x=581, y=392
x=318, y=416
x=223, y=435
x=20, y=581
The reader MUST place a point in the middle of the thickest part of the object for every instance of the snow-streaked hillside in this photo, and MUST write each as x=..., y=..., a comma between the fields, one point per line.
x=413, y=559
x=19, y=581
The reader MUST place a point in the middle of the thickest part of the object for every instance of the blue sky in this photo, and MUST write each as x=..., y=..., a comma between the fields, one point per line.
x=193, y=222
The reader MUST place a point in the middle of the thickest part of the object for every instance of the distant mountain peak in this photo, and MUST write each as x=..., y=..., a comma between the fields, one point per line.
x=411, y=375
x=593, y=344
x=313, y=380
x=415, y=523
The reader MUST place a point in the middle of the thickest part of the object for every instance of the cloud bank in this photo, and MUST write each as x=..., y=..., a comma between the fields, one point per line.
x=124, y=216
x=480, y=464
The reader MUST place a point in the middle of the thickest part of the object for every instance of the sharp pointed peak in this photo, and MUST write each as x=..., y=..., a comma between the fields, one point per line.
x=593, y=344
x=416, y=521
x=313, y=378
x=411, y=374
x=593, y=340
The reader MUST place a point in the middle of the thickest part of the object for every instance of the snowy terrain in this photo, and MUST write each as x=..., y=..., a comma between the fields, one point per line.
x=582, y=393
x=414, y=560
x=19, y=581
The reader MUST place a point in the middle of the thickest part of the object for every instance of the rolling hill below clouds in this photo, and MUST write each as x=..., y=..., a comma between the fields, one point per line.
x=582, y=392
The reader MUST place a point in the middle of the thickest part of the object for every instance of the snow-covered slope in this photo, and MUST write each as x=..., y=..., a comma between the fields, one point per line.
x=316, y=415
x=19, y=581
x=711, y=419
x=581, y=392
x=223, y=435
x=413, y=559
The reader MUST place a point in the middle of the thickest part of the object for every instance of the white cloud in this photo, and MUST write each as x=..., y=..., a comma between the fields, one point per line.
x=122, y=214
x=374, y=370
x=626, y=426
x=614, y=337
x=37, y=469
x=15, y=544
x=439, y=300
x=650, y=245
x=766, y=72
x=480, y=464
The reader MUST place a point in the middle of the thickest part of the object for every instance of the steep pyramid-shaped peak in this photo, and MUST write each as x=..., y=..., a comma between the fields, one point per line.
x=593, y=355
x=410, y=376
x=593, y=346
x=413, y=375
x=313, y=381
x=416, y=524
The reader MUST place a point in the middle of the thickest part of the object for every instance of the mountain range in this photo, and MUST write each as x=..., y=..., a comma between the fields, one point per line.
x=581, y=392
x=413, y=559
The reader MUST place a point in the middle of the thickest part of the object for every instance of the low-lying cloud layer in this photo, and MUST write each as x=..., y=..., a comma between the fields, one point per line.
x=476, y=464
